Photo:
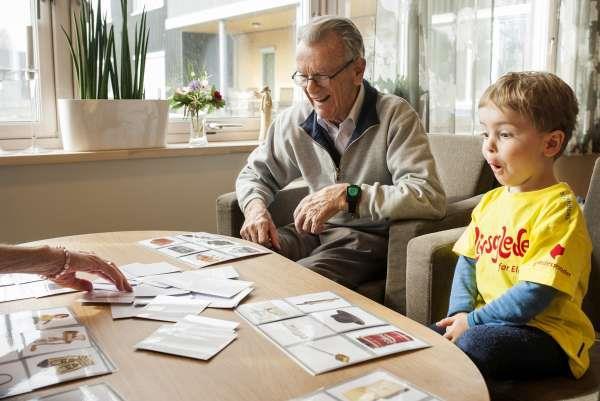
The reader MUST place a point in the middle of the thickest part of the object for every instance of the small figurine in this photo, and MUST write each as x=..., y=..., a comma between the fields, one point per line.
x=266, y=104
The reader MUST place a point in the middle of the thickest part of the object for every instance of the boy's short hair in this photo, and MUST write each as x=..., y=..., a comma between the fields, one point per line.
x=542, y=97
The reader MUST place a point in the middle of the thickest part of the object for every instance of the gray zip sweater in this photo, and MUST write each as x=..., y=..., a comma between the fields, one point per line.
x=388, y=156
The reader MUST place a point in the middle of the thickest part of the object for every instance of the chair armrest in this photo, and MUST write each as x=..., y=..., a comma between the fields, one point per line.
x=458, y=214
x=230, y=218
x=430, y=266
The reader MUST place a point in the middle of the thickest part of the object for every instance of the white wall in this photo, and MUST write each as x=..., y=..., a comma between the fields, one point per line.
x=179, y=193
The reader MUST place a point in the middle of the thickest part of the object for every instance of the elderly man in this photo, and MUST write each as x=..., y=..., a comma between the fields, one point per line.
x=363, y=154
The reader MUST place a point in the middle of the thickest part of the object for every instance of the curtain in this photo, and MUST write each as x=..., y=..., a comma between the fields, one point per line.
x=442, y=54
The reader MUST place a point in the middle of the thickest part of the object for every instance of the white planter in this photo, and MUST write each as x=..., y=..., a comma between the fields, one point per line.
x=112, y=124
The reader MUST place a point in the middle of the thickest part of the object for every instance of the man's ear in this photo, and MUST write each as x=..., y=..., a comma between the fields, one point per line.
x=359, y=70
x=553, y=143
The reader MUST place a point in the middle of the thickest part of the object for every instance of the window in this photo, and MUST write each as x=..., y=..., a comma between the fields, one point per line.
x=140, y=5
x=27, y=90
x=268, y=67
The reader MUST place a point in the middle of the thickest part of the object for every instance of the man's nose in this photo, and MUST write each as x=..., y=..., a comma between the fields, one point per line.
x=312, y=87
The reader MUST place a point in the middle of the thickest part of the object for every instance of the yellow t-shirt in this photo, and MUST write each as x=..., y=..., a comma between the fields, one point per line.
x=540, y=237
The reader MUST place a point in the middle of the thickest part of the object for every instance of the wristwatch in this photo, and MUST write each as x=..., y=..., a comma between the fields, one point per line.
x=353, y=198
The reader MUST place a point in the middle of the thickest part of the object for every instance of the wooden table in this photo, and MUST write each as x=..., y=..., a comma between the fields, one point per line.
x=251, y=368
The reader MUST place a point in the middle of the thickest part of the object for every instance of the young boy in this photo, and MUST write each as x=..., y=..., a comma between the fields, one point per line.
x=525, y=259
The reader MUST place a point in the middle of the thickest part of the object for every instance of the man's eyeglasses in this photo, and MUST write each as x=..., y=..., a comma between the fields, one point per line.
x=321, y=80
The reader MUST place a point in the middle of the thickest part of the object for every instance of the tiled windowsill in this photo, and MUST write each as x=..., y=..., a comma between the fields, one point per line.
x=173, y=150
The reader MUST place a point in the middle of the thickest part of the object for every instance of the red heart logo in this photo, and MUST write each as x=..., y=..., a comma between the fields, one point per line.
x=557, y=251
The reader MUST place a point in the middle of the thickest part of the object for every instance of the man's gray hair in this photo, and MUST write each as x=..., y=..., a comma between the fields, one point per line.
x=319, y=27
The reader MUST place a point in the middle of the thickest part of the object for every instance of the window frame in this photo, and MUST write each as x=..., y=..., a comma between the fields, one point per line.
x=43, y=51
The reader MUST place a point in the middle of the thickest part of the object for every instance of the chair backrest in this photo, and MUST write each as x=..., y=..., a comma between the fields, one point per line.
x=460, y=164
x=591, y=211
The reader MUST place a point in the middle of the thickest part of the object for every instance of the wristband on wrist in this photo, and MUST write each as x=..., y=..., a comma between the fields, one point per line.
x=65, y=269
x=353, y=193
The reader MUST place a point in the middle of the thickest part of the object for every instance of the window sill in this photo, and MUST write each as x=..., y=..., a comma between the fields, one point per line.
x=172, y=150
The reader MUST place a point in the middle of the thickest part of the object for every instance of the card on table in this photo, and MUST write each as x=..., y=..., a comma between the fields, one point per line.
x=170, y=309
x=268, y=311
x=207, y=258
x=211, y=286
x=55, y=340
x=107, y=297
x=378, y=385
x=180, y=250
x=385, y=340
x=93, y=392
x=346, y=319
x=318, y=301
x=222, y=302
x=148, y=269
x=161, y=242
x=292, y=331
x=327, y=354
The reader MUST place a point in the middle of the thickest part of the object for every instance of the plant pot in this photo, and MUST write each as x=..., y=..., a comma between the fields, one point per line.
x=104, y=124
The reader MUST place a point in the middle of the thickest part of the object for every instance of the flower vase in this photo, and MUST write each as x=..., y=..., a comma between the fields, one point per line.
x=197, y=132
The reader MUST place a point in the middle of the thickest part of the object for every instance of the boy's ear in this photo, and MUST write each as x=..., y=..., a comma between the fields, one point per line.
x=553, y=143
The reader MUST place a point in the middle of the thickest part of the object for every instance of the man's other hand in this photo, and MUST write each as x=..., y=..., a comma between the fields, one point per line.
x=258, y=225
x=315, y=209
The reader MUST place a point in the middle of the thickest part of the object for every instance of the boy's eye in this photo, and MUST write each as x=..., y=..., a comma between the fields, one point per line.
x=505, y=135
x=484, y=135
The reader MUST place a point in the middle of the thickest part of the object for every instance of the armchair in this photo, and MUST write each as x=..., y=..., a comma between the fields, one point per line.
x=464, y=175
x=430, y=267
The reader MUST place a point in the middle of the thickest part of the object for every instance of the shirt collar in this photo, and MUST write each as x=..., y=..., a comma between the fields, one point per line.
x=354, y=111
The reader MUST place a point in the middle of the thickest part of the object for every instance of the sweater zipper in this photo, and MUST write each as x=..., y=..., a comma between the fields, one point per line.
x=337, y=170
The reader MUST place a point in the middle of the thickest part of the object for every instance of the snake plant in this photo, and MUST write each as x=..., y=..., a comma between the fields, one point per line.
x=94, y=55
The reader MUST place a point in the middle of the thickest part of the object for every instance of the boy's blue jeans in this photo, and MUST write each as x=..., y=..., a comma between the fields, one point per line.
x=512, y=352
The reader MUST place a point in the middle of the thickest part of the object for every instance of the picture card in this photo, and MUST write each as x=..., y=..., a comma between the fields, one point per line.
x=292, y=331
x=268, y=311
x=51, y=318
x=243, y=250
x=59, y=367
x=107, y=297
x=318, y=301
x=14, y=379
x=180, y=250
x=199, y=237
x=160, y=242
x=385, y=340
x=347, y=319
x=10, y=346
x=55, y=340
x=327, y=354
x=207, y=258
x=148, y=269
x=19, y=278
x=378, y=385
x=93, y=392
x=316, y=396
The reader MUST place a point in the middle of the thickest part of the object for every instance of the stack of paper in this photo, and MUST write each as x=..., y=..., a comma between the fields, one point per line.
x=193, y=337
x=171, y=309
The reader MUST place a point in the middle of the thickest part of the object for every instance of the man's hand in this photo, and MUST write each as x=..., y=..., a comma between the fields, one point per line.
x=258, y=225
x=455, y=326
x=315, y=209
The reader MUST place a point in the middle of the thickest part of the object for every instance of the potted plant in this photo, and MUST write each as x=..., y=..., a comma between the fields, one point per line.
x=95, y=122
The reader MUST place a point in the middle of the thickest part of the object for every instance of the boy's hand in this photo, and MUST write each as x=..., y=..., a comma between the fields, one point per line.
x=455, y=326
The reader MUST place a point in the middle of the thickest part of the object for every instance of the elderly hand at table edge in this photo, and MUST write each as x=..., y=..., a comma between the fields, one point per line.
x=60, y=265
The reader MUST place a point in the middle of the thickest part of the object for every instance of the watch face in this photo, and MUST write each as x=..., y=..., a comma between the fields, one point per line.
x=353, y=191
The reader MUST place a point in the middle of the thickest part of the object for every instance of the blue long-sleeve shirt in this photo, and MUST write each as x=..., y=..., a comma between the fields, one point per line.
x=517, y=306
